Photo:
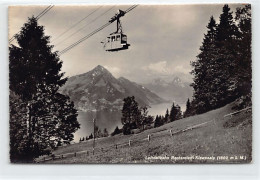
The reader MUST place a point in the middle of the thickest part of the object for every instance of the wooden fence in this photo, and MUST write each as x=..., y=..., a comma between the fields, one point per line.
x=248, y=109
x=130, y=143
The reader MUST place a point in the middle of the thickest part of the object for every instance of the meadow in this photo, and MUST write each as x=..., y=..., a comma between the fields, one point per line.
x=205, y=138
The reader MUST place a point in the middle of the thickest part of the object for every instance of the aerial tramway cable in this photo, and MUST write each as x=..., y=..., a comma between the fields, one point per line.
x=74, y=25
x=85, y=25
x=44, y=12
x=92, y=33
x=37, y=17
x=83, y=39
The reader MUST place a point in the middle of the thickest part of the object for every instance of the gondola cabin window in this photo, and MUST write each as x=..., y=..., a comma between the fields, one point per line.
x=113, y=38
x=124, y=39
x=117, y=37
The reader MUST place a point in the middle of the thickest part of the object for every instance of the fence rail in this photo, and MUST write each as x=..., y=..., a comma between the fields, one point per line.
x=234, y=113
x=130, y=143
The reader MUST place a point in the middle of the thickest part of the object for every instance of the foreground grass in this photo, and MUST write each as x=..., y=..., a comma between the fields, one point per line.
x=220, y=140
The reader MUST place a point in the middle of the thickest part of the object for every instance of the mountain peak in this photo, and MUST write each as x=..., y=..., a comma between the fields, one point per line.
x=99, y=86
x=177, y=80
x=98, y=70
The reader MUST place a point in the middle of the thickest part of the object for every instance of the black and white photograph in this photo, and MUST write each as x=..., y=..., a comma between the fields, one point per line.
x=130, y=84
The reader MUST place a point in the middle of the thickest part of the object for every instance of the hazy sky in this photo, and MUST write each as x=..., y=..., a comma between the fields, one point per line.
x=164, y=38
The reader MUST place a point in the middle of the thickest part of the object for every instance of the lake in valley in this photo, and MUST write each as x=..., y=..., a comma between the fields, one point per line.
x=111, y=119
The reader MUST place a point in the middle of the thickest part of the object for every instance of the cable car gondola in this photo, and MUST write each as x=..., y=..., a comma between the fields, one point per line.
x=116, y=41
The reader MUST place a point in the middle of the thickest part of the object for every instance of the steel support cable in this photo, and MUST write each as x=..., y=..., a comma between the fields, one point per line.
x=44, y=11
x=84, y=38
x=92, y=33
x=85, y=26
x=74, y=25
x=131, y=8
x=37, y=17
x=12, y=38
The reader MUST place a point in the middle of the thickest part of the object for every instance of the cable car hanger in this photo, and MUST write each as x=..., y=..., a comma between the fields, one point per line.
x=116, y=41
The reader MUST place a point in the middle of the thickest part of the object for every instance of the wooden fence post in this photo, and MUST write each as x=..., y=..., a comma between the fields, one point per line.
x=149, y=137
x=129, y=143
x=116, y=146
x=75, y=154
x=62, y=156
x=171, y=132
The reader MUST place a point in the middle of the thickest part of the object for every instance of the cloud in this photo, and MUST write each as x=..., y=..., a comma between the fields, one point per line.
x=164, y=68
x=181, y=69
x=114, y=70
x=159, y=67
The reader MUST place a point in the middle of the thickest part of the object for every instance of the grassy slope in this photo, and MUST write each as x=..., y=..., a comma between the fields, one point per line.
x=221, y=136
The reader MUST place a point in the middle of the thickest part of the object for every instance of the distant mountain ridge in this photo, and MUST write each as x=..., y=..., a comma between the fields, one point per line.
x=99, y=89
x=174, y=90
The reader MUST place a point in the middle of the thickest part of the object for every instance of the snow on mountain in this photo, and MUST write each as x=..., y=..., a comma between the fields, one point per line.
x=178, y=82
x=99, y=89
x=174, y=90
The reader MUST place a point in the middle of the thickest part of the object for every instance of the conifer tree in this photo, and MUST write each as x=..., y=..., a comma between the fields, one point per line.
x=187, y=113
x=167, y=116
x=204, y=70
x=244, y=59
x=149, y=120
x=226, y=37
x=175, y=113
x=130, y=115
x=143, y=117
x=105, y=133
x=46, y=116
x=159, y=121
x=116, y=131
x=90, y=136
x=172, y=113
x=156, y=121
x=178, y=114
x=222, y=71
